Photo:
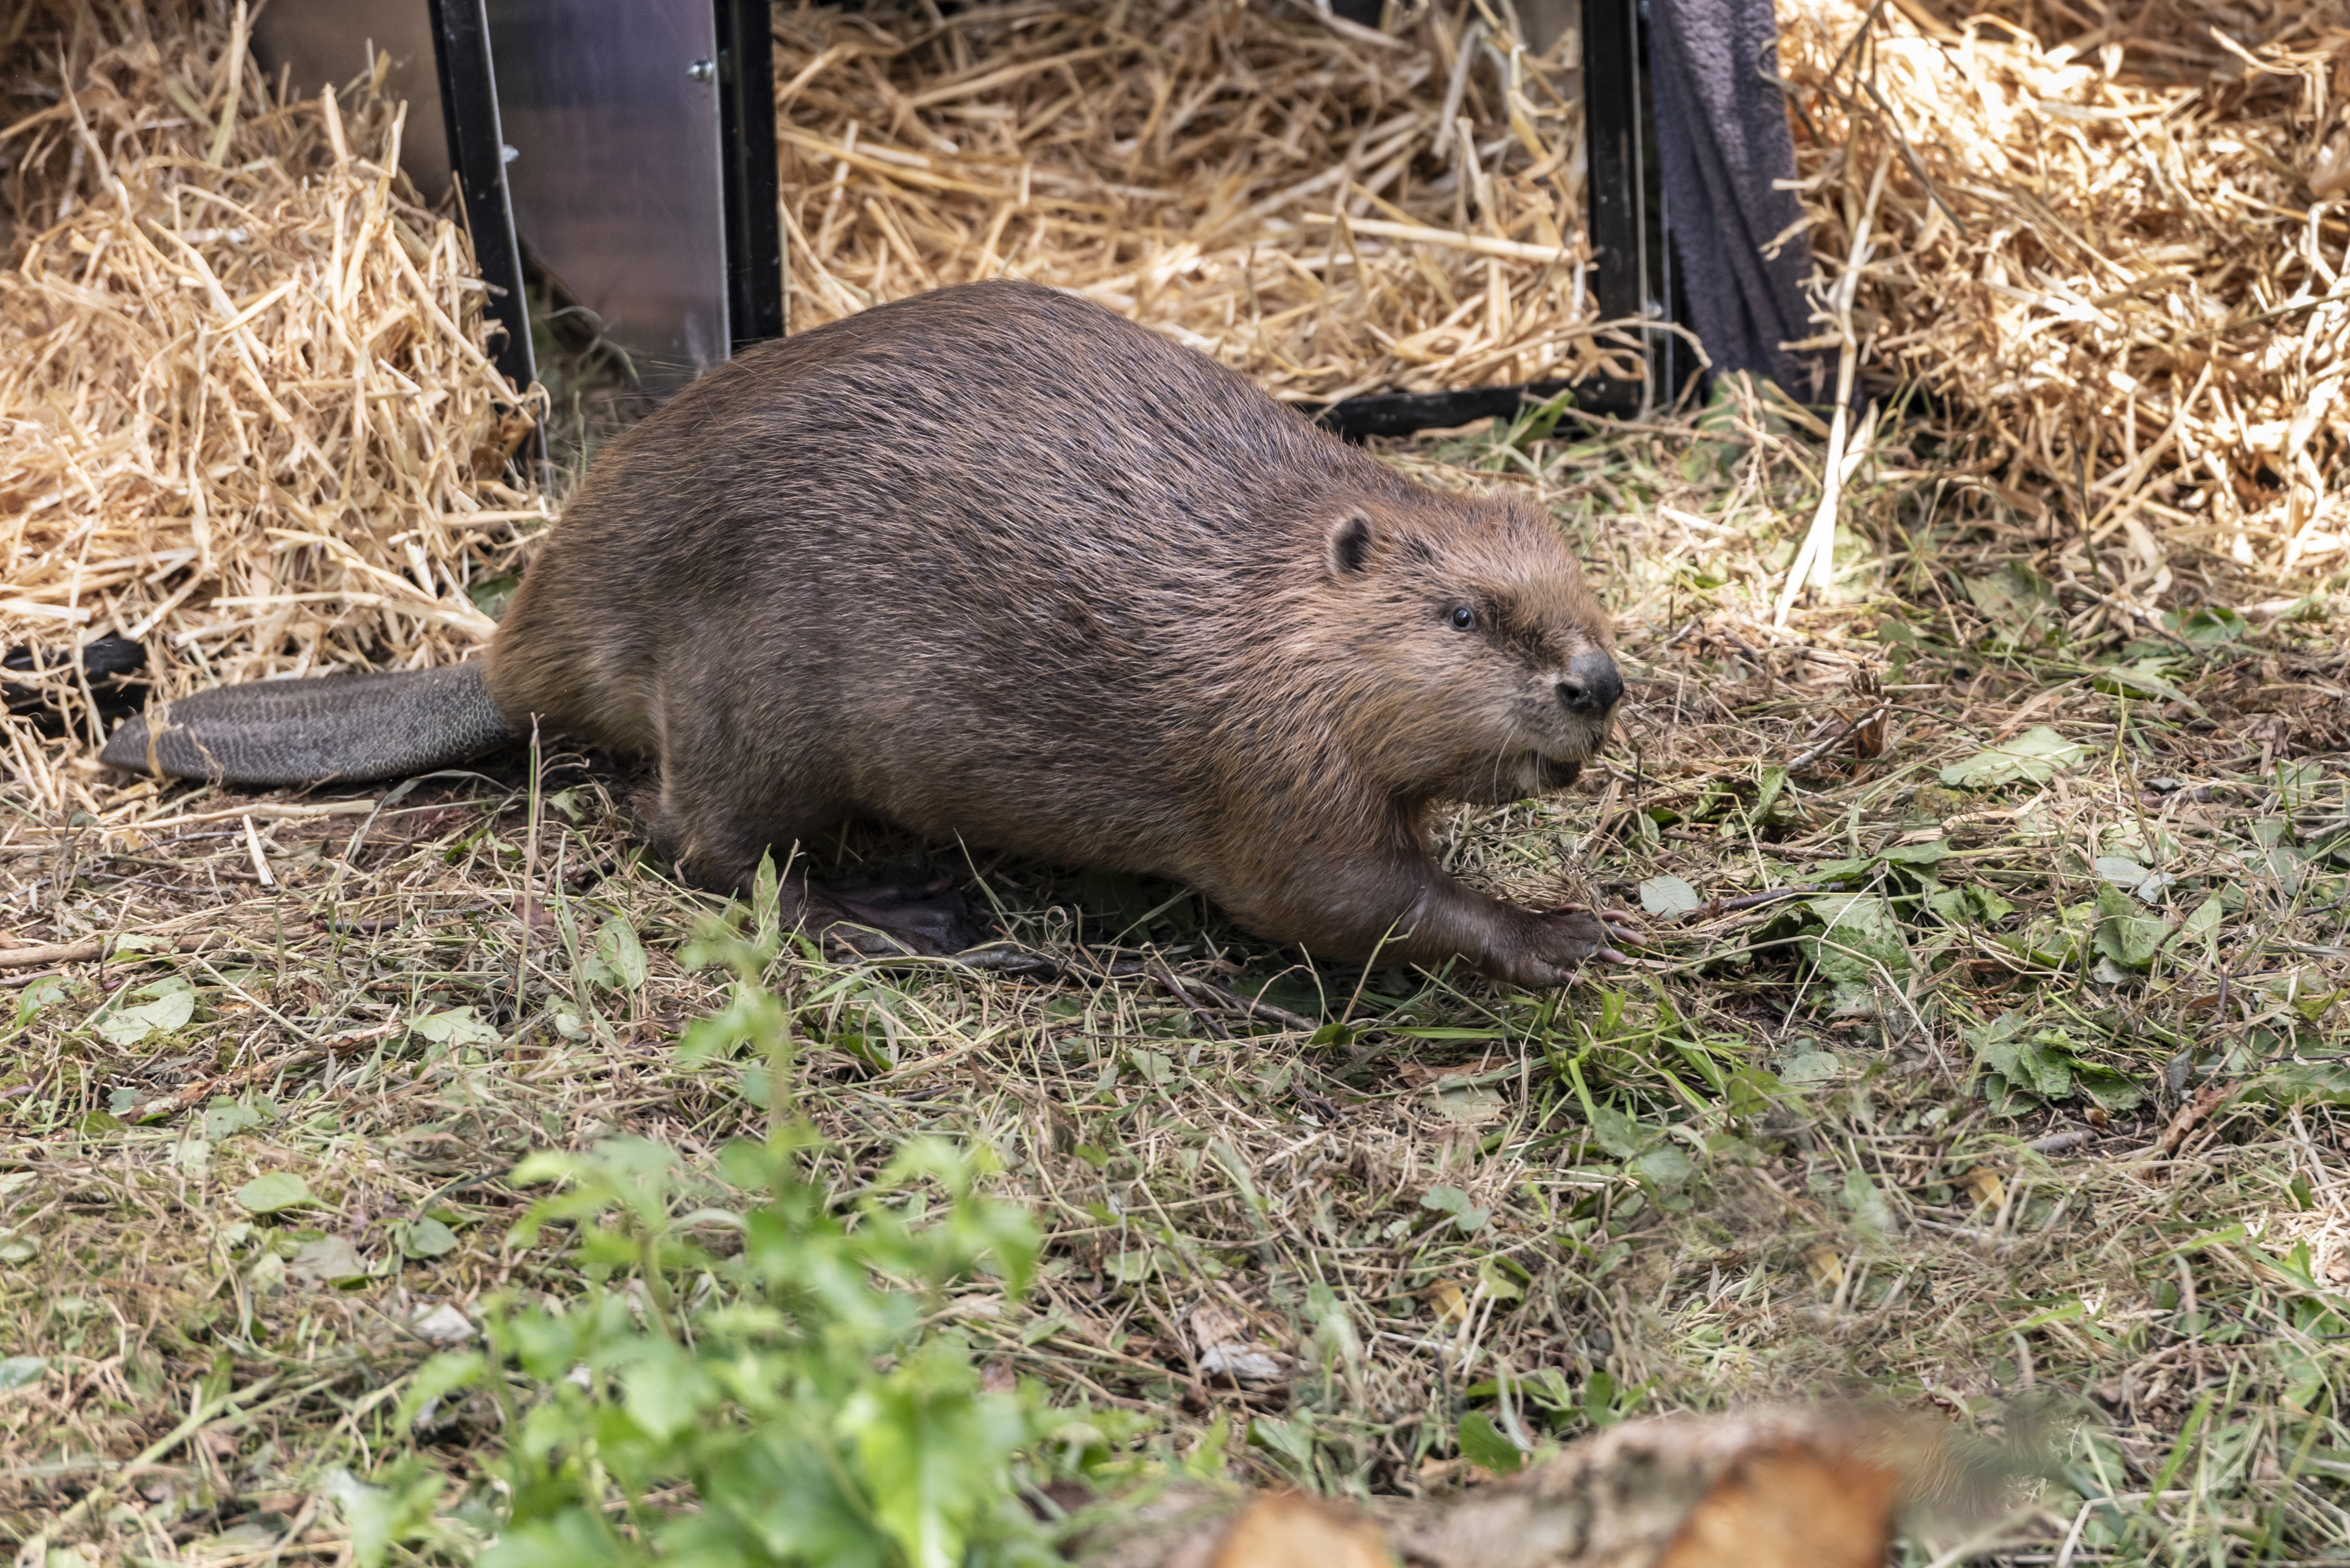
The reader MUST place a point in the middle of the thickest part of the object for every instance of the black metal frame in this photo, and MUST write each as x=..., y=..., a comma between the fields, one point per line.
x=1618, y=131
x=469, y=108
x=1632, y=275
x=746, y=151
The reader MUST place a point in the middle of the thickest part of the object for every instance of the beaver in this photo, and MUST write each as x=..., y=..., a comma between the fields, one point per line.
x=997, y=565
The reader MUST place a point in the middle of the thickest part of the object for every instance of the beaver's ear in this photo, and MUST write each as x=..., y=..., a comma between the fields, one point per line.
x=1349, y=545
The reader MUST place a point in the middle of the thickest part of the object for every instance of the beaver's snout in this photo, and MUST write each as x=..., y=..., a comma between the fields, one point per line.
x=1593, y=684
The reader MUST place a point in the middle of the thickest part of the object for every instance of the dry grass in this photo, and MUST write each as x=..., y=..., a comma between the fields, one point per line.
x=1329, y=209
x=247, y=411
x=2035, y=1123
x=2109, y=241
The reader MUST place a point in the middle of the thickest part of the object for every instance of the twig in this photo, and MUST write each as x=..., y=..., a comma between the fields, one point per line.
x=260, y=861
x=207, y=1411
x=2058, y=1143
x=1256, y=1009
x=90, y=948
x=1165, y=976
x=1910, y=156
x=2190, y=1115
x=1713, y=909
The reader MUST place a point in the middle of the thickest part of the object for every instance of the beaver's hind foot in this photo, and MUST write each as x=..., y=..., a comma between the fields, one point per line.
x=889, y=920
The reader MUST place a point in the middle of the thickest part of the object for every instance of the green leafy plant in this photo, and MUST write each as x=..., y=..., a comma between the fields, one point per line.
x=2023, y=1063
x=761, y=1385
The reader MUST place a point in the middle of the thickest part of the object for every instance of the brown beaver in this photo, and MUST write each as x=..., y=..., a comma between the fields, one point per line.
x=997, y=565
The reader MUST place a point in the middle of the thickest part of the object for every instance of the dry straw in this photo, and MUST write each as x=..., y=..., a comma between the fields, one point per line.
x=1329, y=208
x=2112, y=244
x=244, y=410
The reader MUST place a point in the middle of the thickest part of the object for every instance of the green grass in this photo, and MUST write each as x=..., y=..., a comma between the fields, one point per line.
x=1903, y=1141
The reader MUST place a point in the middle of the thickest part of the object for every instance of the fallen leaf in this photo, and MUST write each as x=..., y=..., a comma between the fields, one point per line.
x=127, y=1026
x=268, y=1194
x=328, y=1261
x=1669, y=896
x=1825, y=1265
x=1225, y=1349
x=443, y=1324
x=1213, y=1323
x=1448, y=1300
x=1983, y=1184
x=1242, y=1363
x=2036, y=755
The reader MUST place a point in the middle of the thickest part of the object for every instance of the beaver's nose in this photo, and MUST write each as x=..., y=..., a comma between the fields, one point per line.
x=1592, y=685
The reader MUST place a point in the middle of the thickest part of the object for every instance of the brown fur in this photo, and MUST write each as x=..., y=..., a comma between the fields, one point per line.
x=996, y=565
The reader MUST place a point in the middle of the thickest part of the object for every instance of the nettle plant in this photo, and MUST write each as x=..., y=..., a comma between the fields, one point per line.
x=789, y=1402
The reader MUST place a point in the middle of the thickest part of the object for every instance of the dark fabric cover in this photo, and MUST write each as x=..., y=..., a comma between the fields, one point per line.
x=1721, y=136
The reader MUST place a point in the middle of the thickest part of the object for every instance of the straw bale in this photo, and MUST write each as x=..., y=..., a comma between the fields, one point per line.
x=1326, y=208
x=246, y=409
x=2111, y=243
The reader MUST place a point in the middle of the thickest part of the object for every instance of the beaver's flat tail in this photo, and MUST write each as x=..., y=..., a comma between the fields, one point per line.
x=351, y=728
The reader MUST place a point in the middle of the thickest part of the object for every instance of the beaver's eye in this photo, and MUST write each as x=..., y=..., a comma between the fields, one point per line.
x=1463, y=618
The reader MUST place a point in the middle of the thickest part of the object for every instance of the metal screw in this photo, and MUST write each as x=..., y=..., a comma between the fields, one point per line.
x=703, y=70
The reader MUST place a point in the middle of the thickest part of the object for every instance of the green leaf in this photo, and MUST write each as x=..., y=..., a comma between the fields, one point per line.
x=1482, y=1443
x=1666, y=1164
x=458, y=1026
x=127, y=1026
x=2046, y=1064
x=1869, y=1210
x=2111, y=1088
x=1860, y=949
x=2211, y=624
x=570, y=1540
x=2201, y=926
x=1453, y=1201
x=224, y=1118
x=1969, y=905
x=2145, y=678
x=2013, y=593
x=268, y=1194
x=1618, y=1134
x=935, y=1457
x=440, y=1377
x=1669, y=896
x=425, y=1238
x=22, y=1371
x=666, y=1392
x=1289, y=1438
x=381, y=1517
x=36, y=995
x=2126, y=932
x=619, y=956
x=2036, y=756
x=330, y=1259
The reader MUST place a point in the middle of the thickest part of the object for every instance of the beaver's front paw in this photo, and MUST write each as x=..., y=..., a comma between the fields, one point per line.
x=1563, y=940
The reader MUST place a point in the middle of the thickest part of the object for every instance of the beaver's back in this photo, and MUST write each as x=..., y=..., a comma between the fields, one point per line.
x=994, y=463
